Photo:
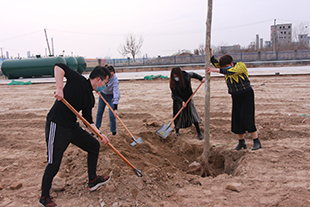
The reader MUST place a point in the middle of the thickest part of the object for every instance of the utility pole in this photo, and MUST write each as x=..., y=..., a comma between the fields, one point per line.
x=52, y=47
x=274, y=35
x=48, y=45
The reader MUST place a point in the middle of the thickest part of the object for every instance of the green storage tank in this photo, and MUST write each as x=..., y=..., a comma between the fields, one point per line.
x=28, y=68
x=81, y=64
x=72, y=62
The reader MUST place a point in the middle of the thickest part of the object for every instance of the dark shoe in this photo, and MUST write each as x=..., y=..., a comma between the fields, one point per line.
x=257, y=145
x=46, y=201
x=240, y=145
x=97, y=182
x=177, y=132
x=113, y=133
x=198, y=130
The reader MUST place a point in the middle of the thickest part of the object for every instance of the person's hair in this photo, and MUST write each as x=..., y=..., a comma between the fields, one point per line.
x=99, y=71
x=178, y=72
x=110, y=68
x=225, y=59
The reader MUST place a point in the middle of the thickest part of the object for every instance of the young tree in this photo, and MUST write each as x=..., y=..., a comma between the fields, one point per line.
x=131, y=46
x=205, y=169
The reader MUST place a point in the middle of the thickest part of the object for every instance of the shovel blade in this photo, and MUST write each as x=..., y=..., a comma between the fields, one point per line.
x=136, y=141
x=164, y=131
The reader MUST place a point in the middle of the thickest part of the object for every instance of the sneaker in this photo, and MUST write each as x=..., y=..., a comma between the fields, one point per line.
x=46, y=201
x=97, y=182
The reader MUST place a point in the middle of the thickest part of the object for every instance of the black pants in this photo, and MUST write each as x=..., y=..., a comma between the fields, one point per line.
x=58, y=139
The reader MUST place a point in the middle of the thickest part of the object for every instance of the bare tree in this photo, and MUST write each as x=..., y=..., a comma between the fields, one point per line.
x=302, y=28
x=201, y=49
x=183, y=52
x=131, y=46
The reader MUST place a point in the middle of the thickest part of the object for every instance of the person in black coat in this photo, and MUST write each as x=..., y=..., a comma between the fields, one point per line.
x=180, y=85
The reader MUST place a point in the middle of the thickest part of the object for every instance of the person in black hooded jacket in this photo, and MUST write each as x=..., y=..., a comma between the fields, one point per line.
x=180, y=85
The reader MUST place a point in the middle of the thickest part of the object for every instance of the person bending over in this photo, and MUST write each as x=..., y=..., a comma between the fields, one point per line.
x=62, y=127
x=112, y=95
x=181, y=89
x=242, y=94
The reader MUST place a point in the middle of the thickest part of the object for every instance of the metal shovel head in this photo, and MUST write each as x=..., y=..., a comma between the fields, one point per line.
x=136, y=141
x=164, y=130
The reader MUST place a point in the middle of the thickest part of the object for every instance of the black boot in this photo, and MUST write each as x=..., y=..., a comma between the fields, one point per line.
x=257, y=145
x=200, y=137
x=177, y=132
x=240, y=145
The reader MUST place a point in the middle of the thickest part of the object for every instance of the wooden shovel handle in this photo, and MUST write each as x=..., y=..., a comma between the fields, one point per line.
x=95, y=131
x=186, y=102
x=114, y=113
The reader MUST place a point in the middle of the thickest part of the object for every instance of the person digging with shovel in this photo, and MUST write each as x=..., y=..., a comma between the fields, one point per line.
x=62, y=127
x=181, y=89
x=112, y=95
x=242, y=94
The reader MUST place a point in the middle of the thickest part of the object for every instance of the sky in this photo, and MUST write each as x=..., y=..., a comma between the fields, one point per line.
x=97, y=28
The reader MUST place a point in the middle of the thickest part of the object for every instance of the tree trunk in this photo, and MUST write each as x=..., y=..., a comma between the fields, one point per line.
x=205, y=169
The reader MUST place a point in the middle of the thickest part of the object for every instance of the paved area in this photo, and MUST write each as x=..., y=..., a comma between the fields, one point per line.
x=260, y=71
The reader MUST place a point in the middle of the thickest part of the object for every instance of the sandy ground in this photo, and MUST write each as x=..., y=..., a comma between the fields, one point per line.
x=276, y=175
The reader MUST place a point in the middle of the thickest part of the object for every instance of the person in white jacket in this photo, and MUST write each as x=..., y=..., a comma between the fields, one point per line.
x=112, y=95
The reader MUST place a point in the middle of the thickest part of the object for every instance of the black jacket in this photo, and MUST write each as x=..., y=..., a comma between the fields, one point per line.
x=182, y=94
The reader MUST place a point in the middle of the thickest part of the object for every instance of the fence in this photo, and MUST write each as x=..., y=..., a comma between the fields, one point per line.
x=194, y=59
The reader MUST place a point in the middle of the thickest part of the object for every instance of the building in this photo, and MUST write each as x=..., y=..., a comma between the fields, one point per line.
x=230, y=49
x=259, y=43
x=268, y=44
x=303, y=39
x=281, y=33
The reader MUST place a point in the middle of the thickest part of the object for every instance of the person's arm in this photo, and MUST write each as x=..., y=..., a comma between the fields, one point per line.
x=175, y=96
x=212, y=69
x=196, y=76
x=238, y=68
x=116, y=95
x=105, y=140
x=213, y=60
x=88, y=116
x=59, y=74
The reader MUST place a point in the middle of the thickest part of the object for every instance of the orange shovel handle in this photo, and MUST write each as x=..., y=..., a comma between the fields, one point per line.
x=95, y=131
x=186, y=102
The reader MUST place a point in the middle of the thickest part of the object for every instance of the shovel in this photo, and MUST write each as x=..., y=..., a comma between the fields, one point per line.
x=138, y=172
x=165, y=130
x=135, y=141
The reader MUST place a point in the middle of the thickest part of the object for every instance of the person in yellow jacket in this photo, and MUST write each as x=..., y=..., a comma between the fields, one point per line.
x=243, y=106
